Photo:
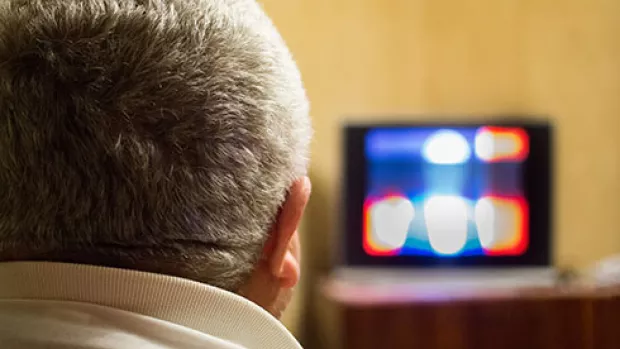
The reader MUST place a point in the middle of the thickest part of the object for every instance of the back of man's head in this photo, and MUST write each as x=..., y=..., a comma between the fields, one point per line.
x=157, y=135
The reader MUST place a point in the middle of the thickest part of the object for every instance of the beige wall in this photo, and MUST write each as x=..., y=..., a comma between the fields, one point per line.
x=398, y=58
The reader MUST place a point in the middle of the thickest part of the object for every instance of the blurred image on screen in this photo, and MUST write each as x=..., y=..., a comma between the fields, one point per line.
x=446, y=192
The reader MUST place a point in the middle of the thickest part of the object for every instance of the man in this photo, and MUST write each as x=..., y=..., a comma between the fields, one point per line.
x=152, y=174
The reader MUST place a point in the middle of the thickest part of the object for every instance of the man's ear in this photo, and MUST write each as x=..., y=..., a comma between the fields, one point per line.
x=282, y=251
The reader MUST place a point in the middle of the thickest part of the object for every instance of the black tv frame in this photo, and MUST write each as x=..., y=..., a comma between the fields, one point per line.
x=538, y=191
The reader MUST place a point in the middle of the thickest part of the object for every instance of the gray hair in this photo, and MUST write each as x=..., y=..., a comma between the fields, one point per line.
x=157, y=135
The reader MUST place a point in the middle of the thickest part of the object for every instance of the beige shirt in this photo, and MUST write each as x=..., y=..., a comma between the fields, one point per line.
x=55, y=305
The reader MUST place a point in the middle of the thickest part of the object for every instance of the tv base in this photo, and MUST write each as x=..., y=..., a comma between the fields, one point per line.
x=439, y=279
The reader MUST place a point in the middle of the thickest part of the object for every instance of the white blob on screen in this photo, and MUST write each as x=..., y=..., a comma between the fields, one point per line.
x=446, y=148
x=390, y=222
x=485, y=222
x=446, y=222
x=488, y=146
x=485, y=146
x=496, y=221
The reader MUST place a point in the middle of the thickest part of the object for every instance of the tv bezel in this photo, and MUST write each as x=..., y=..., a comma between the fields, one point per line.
x=537, y=187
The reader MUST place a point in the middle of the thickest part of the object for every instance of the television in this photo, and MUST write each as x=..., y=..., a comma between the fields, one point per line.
x=430, y=194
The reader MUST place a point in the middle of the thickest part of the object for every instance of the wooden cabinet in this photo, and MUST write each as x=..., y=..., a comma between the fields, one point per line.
x=533, y=319
x=606, y=320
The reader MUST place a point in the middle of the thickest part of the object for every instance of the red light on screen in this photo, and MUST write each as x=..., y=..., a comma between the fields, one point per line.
x=386, y=224
x=495, y=144
x=502, y=224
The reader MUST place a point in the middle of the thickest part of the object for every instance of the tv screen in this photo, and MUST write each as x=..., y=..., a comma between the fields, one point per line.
x=438, y=194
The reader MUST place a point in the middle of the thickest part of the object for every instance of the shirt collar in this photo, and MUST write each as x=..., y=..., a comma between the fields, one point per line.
x=187, y=303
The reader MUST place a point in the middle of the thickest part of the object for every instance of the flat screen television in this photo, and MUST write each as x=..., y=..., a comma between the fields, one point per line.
x=448, y=194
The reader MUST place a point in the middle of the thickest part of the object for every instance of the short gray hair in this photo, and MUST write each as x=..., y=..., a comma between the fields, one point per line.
x=158, y=135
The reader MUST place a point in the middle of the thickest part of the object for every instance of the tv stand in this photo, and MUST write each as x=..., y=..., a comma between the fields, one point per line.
x=382, y=316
